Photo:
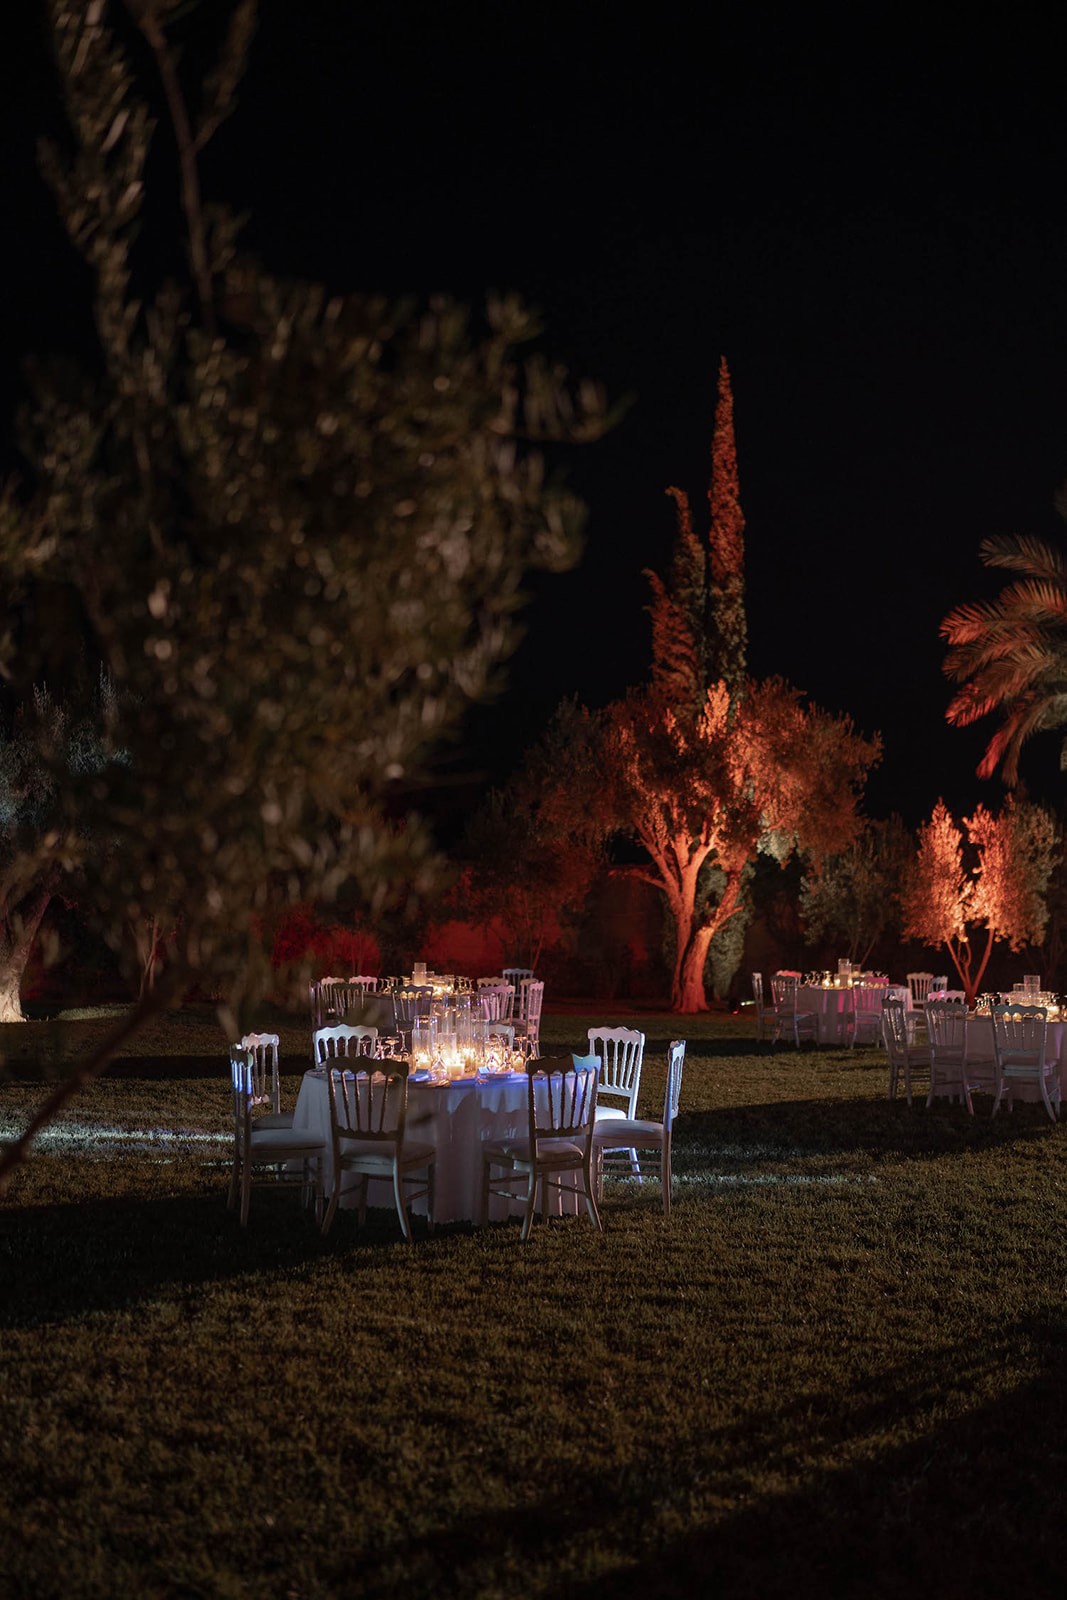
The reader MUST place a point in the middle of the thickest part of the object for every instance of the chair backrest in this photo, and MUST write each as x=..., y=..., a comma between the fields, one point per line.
x=489, y=982
x=515, y=975
x=951, y=997
x=919, y=984
x=497, y=1001
x=940, y=981
x=757, y=992
x=673, y=1090
x=251, y=1094
x=366, y=983
x=264, y=1050
x=529, y=1000
x=784, y=990
x=329, y=999
x=346, y=998
x=502, y=1032
x=411, y=1003
x=562, y=1097
x=621, y=1052
x=946, y=1025
x=895, y=1027
x=342, y=1040
x=369, y=1103
x=1019, y=1033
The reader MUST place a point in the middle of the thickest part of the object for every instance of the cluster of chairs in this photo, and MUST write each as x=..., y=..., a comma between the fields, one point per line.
x=783, y=1014
x=862, y=1019
x=1020, y=1055
x=581, y=1119
x=515, y=997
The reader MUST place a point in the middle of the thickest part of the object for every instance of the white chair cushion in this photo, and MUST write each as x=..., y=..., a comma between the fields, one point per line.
x=285, y=1140
x=518, y=1151
x=624, y=1132
x=414, y=1152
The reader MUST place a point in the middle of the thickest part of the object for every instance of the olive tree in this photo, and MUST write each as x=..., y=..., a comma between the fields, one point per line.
x=295, y=527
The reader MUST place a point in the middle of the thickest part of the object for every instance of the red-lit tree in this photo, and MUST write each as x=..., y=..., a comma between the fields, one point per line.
x=965, y=894
x=713, y=790
x=704, y=768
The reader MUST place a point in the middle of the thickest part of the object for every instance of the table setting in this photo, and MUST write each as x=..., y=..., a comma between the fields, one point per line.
x=467, y=1086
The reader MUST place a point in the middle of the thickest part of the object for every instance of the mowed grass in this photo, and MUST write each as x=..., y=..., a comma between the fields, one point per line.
x=838, y=1369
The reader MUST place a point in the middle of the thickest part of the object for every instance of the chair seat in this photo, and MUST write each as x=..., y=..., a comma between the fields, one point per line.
x=560, y=1152
x=371, y=1153
x=275, y=1119
x=625, y=1132
x=610, y=1114
x=285, y=1141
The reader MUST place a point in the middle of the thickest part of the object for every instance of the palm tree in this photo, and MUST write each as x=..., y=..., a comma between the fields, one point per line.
x=1010, y=654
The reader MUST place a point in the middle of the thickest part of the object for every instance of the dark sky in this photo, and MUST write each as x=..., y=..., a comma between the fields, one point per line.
x=866, y=216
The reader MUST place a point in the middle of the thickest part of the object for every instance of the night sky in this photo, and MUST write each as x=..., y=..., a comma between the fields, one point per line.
x=866, y=220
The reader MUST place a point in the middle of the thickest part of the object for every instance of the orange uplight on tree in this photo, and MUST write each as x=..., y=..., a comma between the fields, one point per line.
x=965, y=895
x=704, y=769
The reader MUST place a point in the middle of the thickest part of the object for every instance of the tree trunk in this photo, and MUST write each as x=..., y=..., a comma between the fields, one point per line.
x=11, y=970
x=689, y=992
x=16, y=942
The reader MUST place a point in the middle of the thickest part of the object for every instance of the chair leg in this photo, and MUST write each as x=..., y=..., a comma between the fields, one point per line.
x=401, y=1208
x=666, y=1177
x=590, y=1200
x=316, y=1161
x=246, y=1191
x=1045, y=1097
x=531, y=1197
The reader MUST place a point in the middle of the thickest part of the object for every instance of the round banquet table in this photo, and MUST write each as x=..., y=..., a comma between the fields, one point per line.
x=829, y=1006
x=457, y=1118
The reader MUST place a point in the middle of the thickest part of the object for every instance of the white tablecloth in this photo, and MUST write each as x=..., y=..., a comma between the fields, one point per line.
x=457, y=1119
x=830, y=1005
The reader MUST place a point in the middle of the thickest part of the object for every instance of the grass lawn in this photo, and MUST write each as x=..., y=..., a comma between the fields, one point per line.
x=840, y=1369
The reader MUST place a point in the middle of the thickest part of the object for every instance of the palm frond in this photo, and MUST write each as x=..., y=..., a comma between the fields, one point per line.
x=1024, y=553
x=1009, y=655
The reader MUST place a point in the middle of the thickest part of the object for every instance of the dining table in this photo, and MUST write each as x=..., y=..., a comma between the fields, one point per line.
x=457, y=1117
x=831, y=1006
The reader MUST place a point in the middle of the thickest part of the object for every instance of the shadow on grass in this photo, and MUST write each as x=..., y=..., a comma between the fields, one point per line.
x=170, y=1068
x=60, y=1262
x=49, y=1064
x=969, y=1507
x=748, y=1136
